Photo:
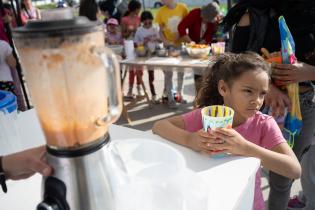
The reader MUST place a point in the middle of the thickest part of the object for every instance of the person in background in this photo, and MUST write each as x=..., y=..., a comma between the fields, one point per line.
x=22, y=165
x=239, y=81
x=148, y=36
x=280, y=186
x=89, y=9
x=199, y=26
x=113, y=9
x=29, y=12
x=256, y=27
x=7, y=62
x=129, y=24
x=13, y=77
x=168, y=17
x=131, y=20
x=113, y=35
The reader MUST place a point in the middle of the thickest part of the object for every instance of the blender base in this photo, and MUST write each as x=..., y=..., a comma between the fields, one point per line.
x=80, y=180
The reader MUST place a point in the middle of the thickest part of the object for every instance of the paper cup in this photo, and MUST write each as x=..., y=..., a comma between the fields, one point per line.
x=217, y=116
x=218, y=48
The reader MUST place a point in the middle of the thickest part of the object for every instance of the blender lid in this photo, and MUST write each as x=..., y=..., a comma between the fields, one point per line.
x=44, y=28
x=7, y=101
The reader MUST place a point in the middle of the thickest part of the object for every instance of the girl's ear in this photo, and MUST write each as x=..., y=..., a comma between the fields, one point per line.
x=222, y=88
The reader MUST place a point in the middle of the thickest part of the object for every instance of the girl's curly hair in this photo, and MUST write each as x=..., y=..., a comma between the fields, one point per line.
x=227, y=67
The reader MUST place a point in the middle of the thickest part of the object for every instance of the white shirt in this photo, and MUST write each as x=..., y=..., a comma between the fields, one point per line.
x=146, y=33
x=5, y=51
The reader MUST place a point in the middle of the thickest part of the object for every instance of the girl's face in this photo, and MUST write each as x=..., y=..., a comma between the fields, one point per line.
x=27, y=2
x=246, y=94
x=111, y=28
x=147, y=23
x=136, y=12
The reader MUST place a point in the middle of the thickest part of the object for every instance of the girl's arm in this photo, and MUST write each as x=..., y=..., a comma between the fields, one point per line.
x=173, y=129
x=280, y=159
x=10, y=60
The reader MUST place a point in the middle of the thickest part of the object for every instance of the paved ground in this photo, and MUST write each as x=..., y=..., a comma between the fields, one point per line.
x=143, y=116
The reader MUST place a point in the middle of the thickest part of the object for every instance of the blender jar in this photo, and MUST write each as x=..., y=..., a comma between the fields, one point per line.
x=73, y=79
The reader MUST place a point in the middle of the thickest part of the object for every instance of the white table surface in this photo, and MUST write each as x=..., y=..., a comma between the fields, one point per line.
x=181, y=63
x=230, y=180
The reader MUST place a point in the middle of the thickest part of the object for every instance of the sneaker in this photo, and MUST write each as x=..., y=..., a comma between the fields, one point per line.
x=172, y=105
x=155, y=99
x=179, y=99
x=129, y=95
x=140, y=92
x=164, y=97
x=295, y=204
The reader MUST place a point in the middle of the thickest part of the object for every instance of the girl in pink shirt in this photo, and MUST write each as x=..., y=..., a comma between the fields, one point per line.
x=241, y=82
x=129, y=24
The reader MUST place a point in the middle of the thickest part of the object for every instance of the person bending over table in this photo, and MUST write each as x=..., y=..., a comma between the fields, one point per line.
x=201, y=24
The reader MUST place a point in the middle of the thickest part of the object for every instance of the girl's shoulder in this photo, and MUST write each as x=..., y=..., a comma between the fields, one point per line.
x=261, y=118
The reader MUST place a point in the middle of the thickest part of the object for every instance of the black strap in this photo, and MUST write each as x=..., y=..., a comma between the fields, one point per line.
x=2, y=177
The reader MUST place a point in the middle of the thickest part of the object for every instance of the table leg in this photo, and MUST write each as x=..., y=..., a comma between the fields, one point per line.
x=144, y=90
x=124, y=108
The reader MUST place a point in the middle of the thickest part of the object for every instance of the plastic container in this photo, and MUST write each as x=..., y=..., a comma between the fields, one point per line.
x=9, y=135
x=148, y=174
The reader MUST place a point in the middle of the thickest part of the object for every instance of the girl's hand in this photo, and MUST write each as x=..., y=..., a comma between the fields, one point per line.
x=198, y=141
x=228, y=140
x=288, y=73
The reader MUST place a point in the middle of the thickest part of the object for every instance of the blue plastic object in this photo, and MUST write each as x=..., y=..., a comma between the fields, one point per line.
x=7, y=102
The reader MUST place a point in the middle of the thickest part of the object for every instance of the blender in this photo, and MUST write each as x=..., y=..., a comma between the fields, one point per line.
x=74, y=83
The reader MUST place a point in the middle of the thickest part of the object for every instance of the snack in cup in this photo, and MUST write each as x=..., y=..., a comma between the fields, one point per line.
x=274, y=57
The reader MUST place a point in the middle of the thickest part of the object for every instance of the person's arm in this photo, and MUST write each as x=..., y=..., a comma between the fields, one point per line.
x=162, y=36
x=184, y=25
x=280, y=159
x=10, y=60
x=124, y=29
x=22, y=165
x=38, y=14
x=138, y=38
x=287, y=73
x=173, y=129
x=277, y=100
x=159, y=21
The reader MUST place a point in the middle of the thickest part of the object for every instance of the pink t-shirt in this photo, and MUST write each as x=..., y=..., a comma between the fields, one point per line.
x=132, y=23
x=260, y=129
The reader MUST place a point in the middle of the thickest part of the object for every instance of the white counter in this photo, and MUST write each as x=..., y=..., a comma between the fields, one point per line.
x=230, y=180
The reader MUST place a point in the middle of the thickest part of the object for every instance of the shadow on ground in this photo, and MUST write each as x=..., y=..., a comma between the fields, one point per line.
x=143, y=116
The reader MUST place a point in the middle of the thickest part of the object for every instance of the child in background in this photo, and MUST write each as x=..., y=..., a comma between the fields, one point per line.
x=29, y=12
x=129, y=24
x=168, y=17
x=7, y=61
x=131, y=20
x=148, y=35
x=113, y=36
x=241, y=82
